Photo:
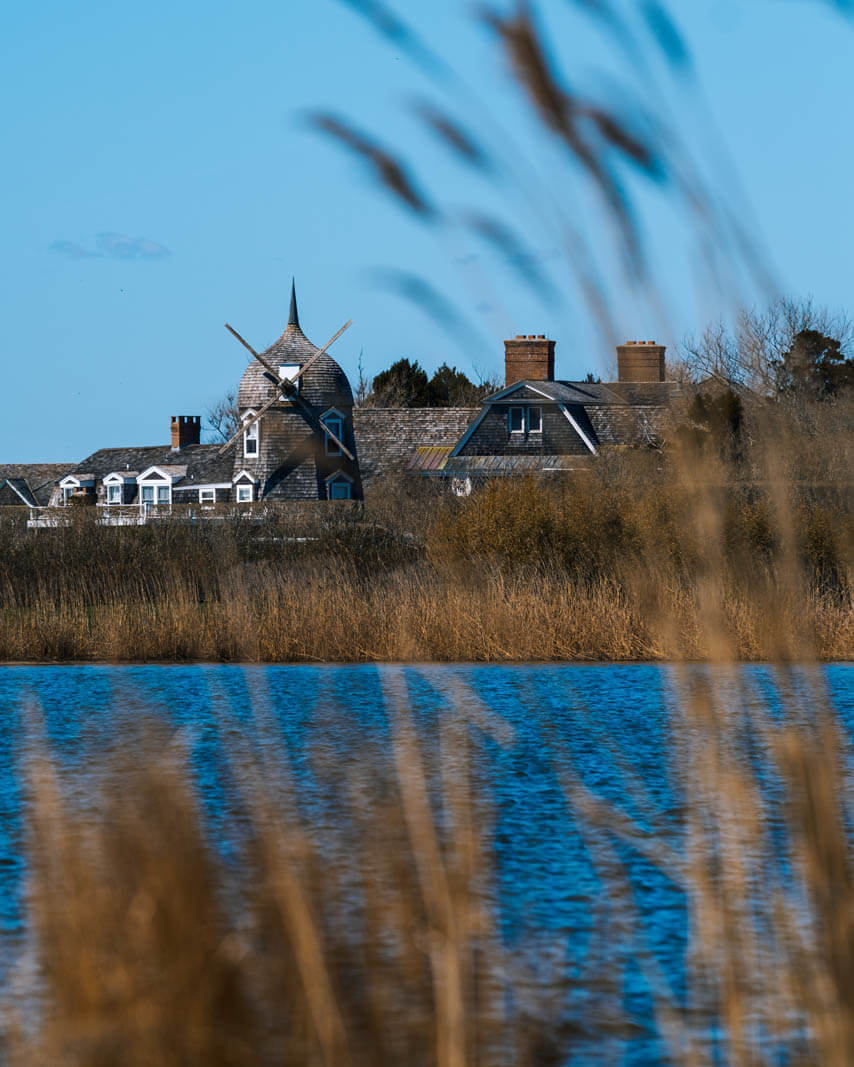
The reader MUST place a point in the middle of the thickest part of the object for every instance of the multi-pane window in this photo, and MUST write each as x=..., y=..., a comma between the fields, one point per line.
x=524, y=419
x=155, y=494
x=250, y=439
x=114, y=493
x=207, y=496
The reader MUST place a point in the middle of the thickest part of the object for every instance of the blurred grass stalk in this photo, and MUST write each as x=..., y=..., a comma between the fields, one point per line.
x=378, y=944
x=377, y=941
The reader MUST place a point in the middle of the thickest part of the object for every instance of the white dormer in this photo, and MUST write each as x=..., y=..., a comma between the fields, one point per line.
x=245, y=487
x=115, y=483
x=155, y=485
x=72, y=482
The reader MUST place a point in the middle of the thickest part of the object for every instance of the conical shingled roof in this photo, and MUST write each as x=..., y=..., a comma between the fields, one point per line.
x=324, y=384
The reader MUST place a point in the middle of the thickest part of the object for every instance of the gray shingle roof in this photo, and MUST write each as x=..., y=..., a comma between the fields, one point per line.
x=20, y=490
x=39, y=478
x=323, y=385
x=564, y=392
x=387, y=439
x=203, y=462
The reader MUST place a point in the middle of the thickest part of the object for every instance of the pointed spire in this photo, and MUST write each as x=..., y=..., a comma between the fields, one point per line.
x=293, y=314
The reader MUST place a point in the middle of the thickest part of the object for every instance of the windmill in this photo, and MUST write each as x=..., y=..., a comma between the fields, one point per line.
x=286, y=389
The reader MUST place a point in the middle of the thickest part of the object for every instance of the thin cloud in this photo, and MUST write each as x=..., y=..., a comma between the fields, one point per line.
x=71, y=249
x=118, y=246
x=110, y=245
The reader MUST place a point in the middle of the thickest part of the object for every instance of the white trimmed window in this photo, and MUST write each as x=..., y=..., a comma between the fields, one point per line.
x=114, y=492
x=245, y=494
x=207, y=496
x=251, y=436
x=155, y=494
x=523, y=419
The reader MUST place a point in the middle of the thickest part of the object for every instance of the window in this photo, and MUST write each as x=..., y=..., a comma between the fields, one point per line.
x=289, y=371
x=339, y=489
x=334, y=425
x=155, y=494
x=244, y=494
x=207, y=496
x=114, y=493
x=521, y=419
x=67, y=490
x=250, y=438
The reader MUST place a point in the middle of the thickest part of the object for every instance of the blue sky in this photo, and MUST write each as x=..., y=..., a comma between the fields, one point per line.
x=160, y=179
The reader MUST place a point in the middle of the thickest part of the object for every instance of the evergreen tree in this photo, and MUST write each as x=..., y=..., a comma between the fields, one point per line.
x=814, y=368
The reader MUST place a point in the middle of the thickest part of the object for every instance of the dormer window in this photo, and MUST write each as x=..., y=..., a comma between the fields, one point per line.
x=339, y=486
x=334, y=423
x=114, y=493
x=522, y=419
x=289, y=371
x=251, y=436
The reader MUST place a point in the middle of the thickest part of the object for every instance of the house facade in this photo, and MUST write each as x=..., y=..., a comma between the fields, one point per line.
x=302, y=439
x=538, y=423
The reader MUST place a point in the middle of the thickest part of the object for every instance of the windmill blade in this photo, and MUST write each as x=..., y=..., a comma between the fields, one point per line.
x=311, y=417
x=249, y=347
x=337, y=441
x=319, y=353
x=251, y=422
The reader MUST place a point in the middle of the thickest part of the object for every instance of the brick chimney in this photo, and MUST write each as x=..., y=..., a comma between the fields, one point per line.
x=640, y=361
x=531, y=356
x=186, y=430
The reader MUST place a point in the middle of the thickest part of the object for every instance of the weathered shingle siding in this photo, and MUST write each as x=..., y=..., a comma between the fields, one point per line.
x=386, y=438
x=493, y=437
x=292, y=463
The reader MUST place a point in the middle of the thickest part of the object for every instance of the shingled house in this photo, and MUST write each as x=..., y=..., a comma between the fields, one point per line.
x=539, y=423
x=29, y=484
x=289, y=453
x=304, y=441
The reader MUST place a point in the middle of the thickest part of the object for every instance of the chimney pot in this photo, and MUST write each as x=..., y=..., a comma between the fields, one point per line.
x=640, y=361
x=529, y=356
x=186, y=430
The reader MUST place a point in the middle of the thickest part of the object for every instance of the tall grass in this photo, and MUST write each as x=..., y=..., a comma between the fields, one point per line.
x=374, y=938
x=617, y=563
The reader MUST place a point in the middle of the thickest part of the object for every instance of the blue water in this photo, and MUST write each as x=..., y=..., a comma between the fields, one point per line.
x=564, y=887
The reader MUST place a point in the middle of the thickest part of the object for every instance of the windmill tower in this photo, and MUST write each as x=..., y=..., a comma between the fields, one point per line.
x=296, y=409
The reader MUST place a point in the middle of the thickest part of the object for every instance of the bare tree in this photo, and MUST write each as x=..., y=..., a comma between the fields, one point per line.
x=752, y=351
x=363, y=385
x=222, y=419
